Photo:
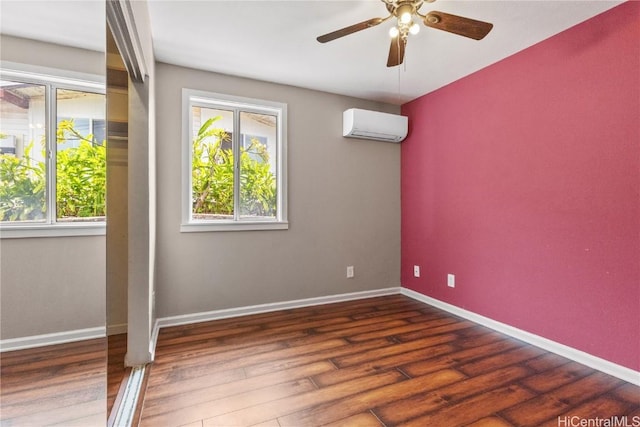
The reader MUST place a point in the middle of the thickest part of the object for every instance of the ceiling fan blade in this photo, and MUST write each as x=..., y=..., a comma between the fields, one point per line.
x=396, y=52
x=350, y=30
x=458, y=25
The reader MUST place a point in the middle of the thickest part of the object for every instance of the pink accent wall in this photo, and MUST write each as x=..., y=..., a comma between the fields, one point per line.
x=523, y=180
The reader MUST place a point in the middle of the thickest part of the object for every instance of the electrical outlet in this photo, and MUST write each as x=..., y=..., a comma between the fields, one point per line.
x=350, y=272
x=416, y=271
x=451, y=280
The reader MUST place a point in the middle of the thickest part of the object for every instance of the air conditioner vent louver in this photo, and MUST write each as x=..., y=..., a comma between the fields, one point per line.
x=374, y=125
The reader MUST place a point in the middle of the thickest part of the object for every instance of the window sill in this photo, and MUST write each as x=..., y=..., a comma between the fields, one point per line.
x=196, y=227
x=58, y=230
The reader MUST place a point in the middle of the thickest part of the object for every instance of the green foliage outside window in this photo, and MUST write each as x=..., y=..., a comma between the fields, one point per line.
x=212, y=176
x=22, y=187
x=80, y=176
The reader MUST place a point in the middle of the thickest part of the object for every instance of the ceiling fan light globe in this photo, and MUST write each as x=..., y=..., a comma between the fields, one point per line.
x=414, y=29
x=393, y=32
x=405, y=18
x=404, y=13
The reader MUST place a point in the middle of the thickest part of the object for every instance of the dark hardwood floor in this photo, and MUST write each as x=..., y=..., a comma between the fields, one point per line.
x=381, y=361
x=116, y=371
x=61, y=385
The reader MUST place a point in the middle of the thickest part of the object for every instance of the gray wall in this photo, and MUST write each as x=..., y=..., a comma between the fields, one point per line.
x=52, y=284
x=25, y=51
x=344, y=208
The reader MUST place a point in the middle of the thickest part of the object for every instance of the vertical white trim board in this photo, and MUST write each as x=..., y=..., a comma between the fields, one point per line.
x=571, y=353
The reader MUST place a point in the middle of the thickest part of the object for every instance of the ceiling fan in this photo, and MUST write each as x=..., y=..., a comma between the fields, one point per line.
x=405, y=11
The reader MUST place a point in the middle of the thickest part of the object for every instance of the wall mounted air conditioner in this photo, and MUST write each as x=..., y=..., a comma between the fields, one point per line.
x=375, y=125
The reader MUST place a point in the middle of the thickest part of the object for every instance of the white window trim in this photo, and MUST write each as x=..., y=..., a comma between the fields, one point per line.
x=69, y=80
x=204, y=98
x=48, y=230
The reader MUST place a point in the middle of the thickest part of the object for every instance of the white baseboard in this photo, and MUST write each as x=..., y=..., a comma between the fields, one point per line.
x=571, y=353
x=120, y=328
x=579, y=356
x=265, y=308
x=154, y=340
x=51, y=339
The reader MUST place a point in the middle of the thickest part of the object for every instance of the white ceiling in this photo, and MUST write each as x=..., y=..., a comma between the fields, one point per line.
x=275, y=40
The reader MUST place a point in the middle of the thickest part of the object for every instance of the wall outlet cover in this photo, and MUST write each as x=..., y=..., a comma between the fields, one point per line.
x=350, y=272
x=451, y=280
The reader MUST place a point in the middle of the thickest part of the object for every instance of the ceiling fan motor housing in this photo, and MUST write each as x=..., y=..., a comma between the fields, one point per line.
x=399, y=8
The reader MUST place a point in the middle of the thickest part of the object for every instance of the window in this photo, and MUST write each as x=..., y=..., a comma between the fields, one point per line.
x=234, y=163
x=52, y=155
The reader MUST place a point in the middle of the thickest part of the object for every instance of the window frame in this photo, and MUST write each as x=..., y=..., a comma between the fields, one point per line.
x=198, y=98
x=52, y=79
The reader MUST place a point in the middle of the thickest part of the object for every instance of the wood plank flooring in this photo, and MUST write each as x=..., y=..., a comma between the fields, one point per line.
x=117, y=374
x=59, y=385
x=388, y=361
x=62, y=384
